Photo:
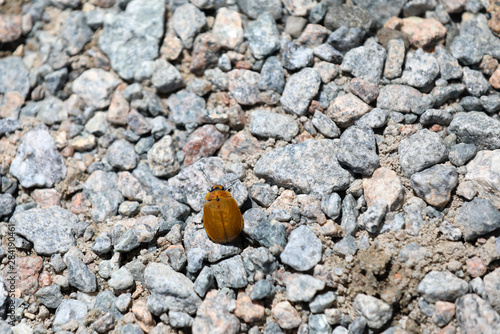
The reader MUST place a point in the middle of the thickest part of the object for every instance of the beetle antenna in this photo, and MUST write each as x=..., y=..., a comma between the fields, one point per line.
x=207, y=178
x=229, y=183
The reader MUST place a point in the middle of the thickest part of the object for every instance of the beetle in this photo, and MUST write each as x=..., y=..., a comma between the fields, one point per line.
x=222, y=217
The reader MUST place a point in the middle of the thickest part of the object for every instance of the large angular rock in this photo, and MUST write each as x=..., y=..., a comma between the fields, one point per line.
x=477, y=128
x=478, y=217
x=484, y=172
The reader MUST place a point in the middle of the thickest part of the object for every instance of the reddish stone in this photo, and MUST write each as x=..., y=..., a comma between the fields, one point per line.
x=203, y=142
x=488, y=65
x=436, y=128
x=445, y=311
x=286, y=315
x=10, y=28
x=213, y=315
x=143, y=316
x=476, y=267
x=238, y=144
x=315, y=105
x=495, y=79
x=243, y=65
x=363, y=89
x=423, y=32
x=345, y=109
x=25, y=273
x=118, y=109
x=10, y=105
x=46, y=198
x=313, y=35
x=303, y=137
x=171, y=47
x=45, y=279
x=205, y=52
x=247, y=309
x=68, y=151
x=385, y=185
x=79, y=204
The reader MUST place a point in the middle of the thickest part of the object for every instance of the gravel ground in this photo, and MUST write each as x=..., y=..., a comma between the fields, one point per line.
x=361, y=141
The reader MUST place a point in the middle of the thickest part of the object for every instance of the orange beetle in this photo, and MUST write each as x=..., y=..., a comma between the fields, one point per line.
x=222, y=218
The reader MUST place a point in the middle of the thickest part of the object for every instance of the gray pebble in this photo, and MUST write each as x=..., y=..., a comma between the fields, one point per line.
x=358, y=325
x=471, y=103
x=102, y=244
x=317, y=171
x=374, y=216
x=365, y=62
x=322, y=302
x=176, y=258
x=204, y=281
x=188, y=22
x=272, y=75
x=102, y=190
x=349, y=214
x=450, y=232
x=79, y=274
x=357, y=150
x=475, y=314
x=8, y=125
x=400, y=98
x=162, y=159
x=477, y=218
x=303, y=250
x=420, y=69
x=104, y=324
x=7, y=204
x=477, y=128
x=166, y=77
x=121, y=280
x=123, y=302
x=318, y=324
x=38, y=163
x=14, y=76
x=490, y=103
x=50, y=296
x=263, y=194
x=475, y=82
x=448, y=65
x=179, y=319
x=121, y=155
x=186, y=108
x=421, y=150
x=300, y=89
x=302, y=288
x=375, y=119
x=295, y=56
x=263, y=36
x=462, y=153
x=68, y=310
x=328, y=53
x=230, y=273
x=467, y=49
x=98, y=125
x=348, y=16
x=376, y=312
x=95, y=87
x=129, y=208
x=106, y=302
x=345, y=247
x=254, y=8
x=436, y=116
x=478, y=287
x=413, y=215
x=446, y=93
x=325, y=125
x=56, y=261
x=435, y=184
x=262, y=289
x=127, y=241
x=268, y=124
x=331, y=205
x=442, y=285
x=346, y=38
x=131, y=329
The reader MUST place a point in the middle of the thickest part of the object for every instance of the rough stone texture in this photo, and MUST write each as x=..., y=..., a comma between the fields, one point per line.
x=267, y=124
x=421, y=150
x=484, y=173
x=346, y=109
x=214, y=314
x=435, y=184
x=50, y=230
x=95, y=86
x=303, y=249
x=442, y=285
x=475, y=314
x=477, y=218
x=365, y=62
x=37, y=162
x=14, y=76
x=376, y=312
x=299, y=90
x=102, y=190
x=203, y=142
x=477, y=128
x=357, y=150
x=132, y=38
x=308, y=167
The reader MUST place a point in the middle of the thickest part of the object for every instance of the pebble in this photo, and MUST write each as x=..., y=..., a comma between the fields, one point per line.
x=248, y=310
x=272, y=75
x=203, y=142
x=363, y=89
x=105, y=302
x=467, y=49
x=7, y=204
x=179, y=319
x=346, y=109
x=413, y=210
x=328, y=53
x=166, y=77
x=295, y=56
x=295, y=25
x=448, y=65
x=123, y=302
x=102, y=190
x=376, y=312
x=349, y=214
x=325, y=125
x=357, y=150
x=400, y=98
x=186, y=108
x=230, y=273
x=204, y=281
x=51, y=230
x=279, y=166
x=365, y=62
x=102, y=244
x=161, y=158
x=263, y=36
x=318, y=324
x=491, y=103
x=95, y=87
x=176, y=257
x=214, y=314
x=483, y=173
x=132, y=38
x=348, y=16
x=374, y=215
x=227, y=28
x=421, y=150
x=79, y=275
x=450, y=232
x=253, y=8
x=121, y=280
x=474, y=81
x=104, y=323
x=395, y=58
x=442, y=285
x=38, y=149
x=267, y=124
x=69, y=310
x=300, y=89
x=302, y=241
x=420, y=69
x=169, y=290
x=491, y=282
x=322, y=302
x=302, y=288
x=131, y=329
x=477, y=128
x=477, y=217
x=50, y=296
x=435, y=184
x=286, y=315
x=346, y=246
x=476, y=267
x=475, y=314
x=121, y=155
x=14, y=76
x=262, y=289
x=436, y=116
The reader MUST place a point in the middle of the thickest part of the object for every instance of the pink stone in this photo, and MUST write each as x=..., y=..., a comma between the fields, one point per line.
x=423, y=32
x=476, y=267
x=385, y=185
x=247, y=309
x=203, y=142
